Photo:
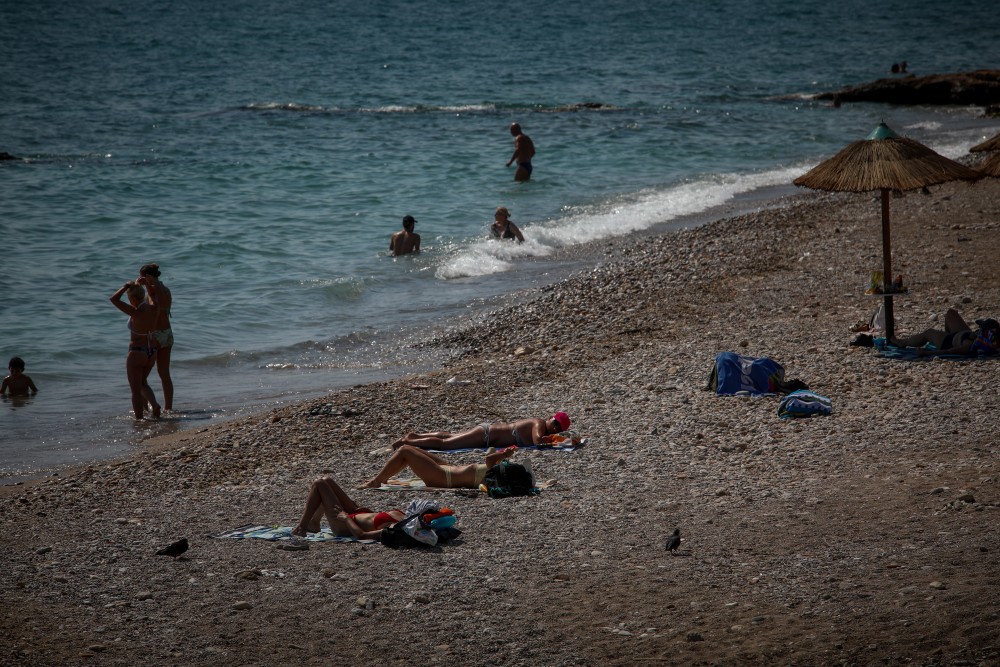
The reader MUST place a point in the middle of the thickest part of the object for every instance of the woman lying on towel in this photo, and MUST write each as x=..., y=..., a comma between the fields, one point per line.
x=346, y=517
x=434, y=471
x=522, y=433
x=957, y=337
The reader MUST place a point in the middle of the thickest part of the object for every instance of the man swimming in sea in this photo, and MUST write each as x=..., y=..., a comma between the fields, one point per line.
x=405, y=242
x=524, y=150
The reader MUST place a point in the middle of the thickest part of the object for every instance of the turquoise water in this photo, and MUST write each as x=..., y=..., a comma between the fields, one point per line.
x=262, y=154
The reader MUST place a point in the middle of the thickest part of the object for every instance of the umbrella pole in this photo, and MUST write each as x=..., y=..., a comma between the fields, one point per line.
x=890, y=324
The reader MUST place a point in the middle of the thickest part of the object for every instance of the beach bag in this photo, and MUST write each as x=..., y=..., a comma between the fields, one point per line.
x=395, y=536
x=414, y=531
x=733, y=373
x=507, y=479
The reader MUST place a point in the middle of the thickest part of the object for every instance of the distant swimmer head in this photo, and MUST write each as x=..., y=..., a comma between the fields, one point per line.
x=562, y=419
x=408, y=222
x=150, y=270
x=515, y=129
x=502, y=213
x=15, y=364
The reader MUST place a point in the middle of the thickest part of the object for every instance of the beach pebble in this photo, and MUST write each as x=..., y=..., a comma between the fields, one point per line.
x=242, y=605
x=144, y=595
x=422, y=597
x=938, y=585
x=43, y=550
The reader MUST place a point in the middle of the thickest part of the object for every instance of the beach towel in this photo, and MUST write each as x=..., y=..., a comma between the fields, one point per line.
x=804, y=404
x=282, y=533
x=566, y=441
x=417, y=484
x=888, y=351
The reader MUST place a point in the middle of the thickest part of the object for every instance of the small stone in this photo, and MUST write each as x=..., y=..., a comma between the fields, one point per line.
x=329, y=572
x=722, y=492
x=248, y=575
x=59, y=579
x=966, y=498
x=242, y=605
x=43, y=550
x=97, y=648
x=422, y=598
x=694, y=637
x=144, y=595
x=938, y=585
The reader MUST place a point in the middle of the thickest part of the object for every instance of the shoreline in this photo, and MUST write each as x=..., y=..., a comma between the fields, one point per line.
x=591, y=254
x=863, y=537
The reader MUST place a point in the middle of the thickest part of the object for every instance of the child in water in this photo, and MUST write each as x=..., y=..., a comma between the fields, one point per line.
x=17, y=382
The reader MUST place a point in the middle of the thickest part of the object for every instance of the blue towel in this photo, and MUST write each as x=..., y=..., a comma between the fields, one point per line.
x=282, y=533
x=804, y=403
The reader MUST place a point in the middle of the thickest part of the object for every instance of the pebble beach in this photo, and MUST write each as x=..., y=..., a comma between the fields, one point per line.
x=867, y=536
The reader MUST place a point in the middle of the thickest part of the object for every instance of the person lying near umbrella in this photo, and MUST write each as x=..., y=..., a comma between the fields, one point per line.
x=523, y=433
x=958, y=338
x=434, y=471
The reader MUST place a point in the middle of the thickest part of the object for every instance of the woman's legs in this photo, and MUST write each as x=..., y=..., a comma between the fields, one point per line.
x=424, y=465
x=444, y=440
x=163, y=370
x=137, y=367
x=953, y=322
x=325, y=497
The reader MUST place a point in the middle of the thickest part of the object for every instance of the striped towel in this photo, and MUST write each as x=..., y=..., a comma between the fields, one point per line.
x=282, y=533
x=804, y=403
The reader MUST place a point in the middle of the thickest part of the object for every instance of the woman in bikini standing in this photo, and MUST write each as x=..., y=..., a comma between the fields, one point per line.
x=346, y=517
x=142, y=345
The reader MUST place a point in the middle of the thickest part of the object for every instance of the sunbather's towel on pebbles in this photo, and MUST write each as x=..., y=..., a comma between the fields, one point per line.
x=804, y=403
x=417, y=484
x=281, y=533
x=567, y=441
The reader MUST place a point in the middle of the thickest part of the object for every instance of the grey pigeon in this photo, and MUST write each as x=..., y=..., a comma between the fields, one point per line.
x=174, y=550
x=674, y=541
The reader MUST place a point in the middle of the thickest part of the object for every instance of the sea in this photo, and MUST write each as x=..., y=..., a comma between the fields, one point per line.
x=263, y=153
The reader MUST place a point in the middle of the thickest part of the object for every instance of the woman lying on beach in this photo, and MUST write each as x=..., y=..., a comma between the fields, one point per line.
x=957, y=337
x=142, y=346
x=346, y=517
x=434, y=471
x=523, y=433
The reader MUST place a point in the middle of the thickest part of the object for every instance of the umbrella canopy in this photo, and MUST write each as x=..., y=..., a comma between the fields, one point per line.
x=885, y=161
x=991, y=165
x=991, y=144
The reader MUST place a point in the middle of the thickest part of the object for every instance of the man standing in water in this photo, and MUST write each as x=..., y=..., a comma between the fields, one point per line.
x=163, y=334
x=524, y=150
x=405, y=242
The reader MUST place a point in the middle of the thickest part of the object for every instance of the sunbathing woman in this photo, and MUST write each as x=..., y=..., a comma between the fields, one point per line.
x=434, y=471
x=957, y=337
x=346, y=517
x=523, y=433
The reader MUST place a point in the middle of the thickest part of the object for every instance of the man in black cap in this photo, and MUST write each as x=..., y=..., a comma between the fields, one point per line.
x=405, y=242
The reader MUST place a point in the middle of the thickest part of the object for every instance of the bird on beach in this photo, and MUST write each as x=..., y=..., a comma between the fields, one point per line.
x=674, y=541
x=174, y=550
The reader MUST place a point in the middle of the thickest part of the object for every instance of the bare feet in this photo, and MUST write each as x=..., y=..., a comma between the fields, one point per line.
x=156, y=411
x=300, y=531
x=371, y=484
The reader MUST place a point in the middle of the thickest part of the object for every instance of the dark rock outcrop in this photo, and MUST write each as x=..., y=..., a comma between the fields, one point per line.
x=978, y=88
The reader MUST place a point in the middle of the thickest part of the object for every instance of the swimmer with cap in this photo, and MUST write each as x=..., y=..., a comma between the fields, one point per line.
x=523, y=433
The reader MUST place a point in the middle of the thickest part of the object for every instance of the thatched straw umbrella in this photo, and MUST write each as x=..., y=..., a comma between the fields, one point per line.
x=991, y=165
x=885, y=161
x=991, y=144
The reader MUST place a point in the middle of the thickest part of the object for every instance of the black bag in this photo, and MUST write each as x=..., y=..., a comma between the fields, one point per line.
x=393, y=535
x=507, y=479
